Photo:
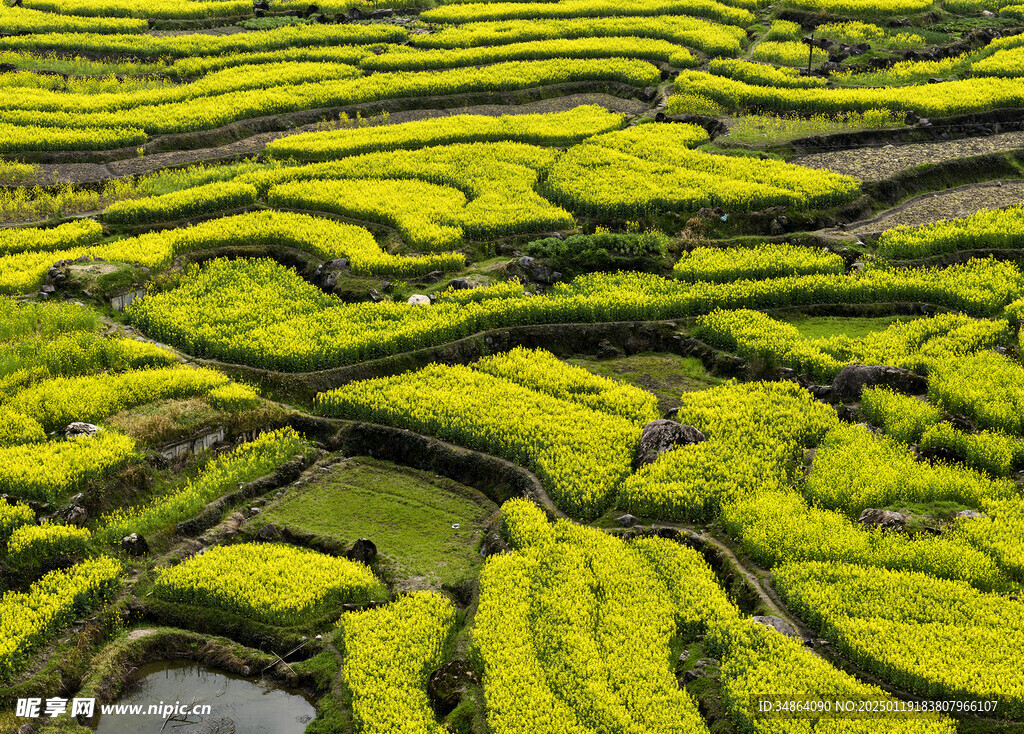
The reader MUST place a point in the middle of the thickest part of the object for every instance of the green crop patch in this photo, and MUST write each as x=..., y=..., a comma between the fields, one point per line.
x=667, y=376
x=410, y=515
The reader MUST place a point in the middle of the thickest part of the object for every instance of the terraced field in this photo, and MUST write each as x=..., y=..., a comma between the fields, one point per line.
x=531, y=367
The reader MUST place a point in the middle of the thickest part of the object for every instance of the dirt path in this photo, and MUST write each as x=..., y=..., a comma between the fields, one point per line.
x=765, y=593
x=962, y=201
x=84, y=173
x=875, y=164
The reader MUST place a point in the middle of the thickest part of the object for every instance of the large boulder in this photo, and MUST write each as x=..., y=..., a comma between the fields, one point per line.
x=852, y=379
x=134, y=545
x=970, y=515
x=363, y=550
x=661, y=435
x=418, y=299
x=537, y=272
x=778, y=624
x=268, y=532
x=326, y=275
x=78, y=428
x=885, y=519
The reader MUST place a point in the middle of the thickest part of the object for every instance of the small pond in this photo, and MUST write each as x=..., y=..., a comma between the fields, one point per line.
x=237, y=705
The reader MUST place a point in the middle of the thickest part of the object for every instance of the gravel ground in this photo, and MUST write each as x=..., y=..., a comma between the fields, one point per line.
x=953, y=204
x=874, y=164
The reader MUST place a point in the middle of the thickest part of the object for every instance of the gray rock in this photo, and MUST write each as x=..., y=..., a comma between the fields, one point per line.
x=536, y=272
x=327, y=281
x=362, y=550
x=699, y=669
x=607, y=350
x=628, y=521
x=325, y=276
x=852, y=379
x=661, y=435
x=134, y=545
x=81, y=429
x=885, y=519
x=73, y=515
x=821, y=392
x=269, y=531
x=970, y=515
x=418, y=300
x=778, y=624
x=460, y=284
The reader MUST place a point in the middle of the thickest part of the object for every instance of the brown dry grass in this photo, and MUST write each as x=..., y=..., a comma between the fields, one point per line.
x=166, y=421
